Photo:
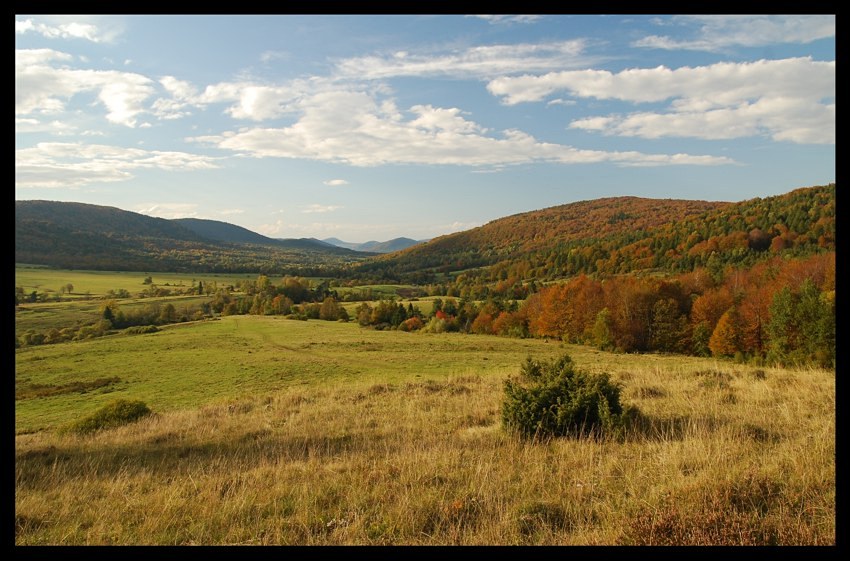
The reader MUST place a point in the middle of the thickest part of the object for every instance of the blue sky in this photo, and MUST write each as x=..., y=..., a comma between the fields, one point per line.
x=374, y=127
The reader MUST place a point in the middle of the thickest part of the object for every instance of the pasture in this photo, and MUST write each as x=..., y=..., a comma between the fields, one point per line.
x=98, y=283
x=274, y=431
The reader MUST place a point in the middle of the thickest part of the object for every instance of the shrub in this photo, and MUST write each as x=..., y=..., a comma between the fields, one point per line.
x=114, y=414
x=554, y=399
x=141, y=329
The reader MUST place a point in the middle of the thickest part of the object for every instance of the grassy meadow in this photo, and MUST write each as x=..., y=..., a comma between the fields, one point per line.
x=98, y=283
x=274, y=431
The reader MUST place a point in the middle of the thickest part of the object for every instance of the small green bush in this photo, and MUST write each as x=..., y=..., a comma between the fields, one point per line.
x=141, y=329
x=114, y=414
x=554, y=399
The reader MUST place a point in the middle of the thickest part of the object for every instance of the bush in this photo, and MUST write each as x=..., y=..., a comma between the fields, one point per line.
x=114, y=414
x=141, y=329
x=554, y=399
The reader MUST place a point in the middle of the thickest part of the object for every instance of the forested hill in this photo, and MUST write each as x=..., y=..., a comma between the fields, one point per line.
x=80, y=218
x=222, y=231
x=623, y=235
x=84, y=236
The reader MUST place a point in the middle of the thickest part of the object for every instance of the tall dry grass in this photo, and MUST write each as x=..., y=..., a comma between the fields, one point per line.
x=720, y=455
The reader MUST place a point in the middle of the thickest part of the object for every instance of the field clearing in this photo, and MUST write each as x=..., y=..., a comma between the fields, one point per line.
x=274, y=431
x=98, y=283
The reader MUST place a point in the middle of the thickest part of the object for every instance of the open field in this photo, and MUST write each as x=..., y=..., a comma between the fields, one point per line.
x=275, y=431
x=98, y=283
x=41, y=316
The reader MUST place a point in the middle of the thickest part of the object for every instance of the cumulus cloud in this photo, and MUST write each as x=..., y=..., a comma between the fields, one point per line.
x=71, y=30
x=356, y=128
x=169, y=210
x=335, y=182
x=477, y=62
x=182, y=95
x=718, y=32
x=41, y=87
x=54, y=127
x=256, y=102
x=789, y=99
x=65, y=164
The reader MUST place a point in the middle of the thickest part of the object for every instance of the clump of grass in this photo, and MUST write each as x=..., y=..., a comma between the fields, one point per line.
x=711, y=378
x=114, y=414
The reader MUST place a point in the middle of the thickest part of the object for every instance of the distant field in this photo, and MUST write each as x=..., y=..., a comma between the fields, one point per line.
x=98, y=283
x=275, y=431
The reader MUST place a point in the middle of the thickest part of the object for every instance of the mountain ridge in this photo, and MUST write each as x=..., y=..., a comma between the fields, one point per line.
x=84, y=236
x=373, y=246
x=611, y=235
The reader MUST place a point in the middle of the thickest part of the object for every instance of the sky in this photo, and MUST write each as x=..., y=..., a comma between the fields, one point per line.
x=369, y=127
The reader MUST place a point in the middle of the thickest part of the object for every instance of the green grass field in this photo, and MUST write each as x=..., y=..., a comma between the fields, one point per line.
x=275, y=431
x=97, y=283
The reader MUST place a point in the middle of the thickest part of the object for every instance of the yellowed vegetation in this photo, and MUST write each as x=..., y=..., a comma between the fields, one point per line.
x=722, y=454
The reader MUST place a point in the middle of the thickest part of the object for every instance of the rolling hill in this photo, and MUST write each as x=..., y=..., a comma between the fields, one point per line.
x=616, y=235
x=621, y=235
x=84, y=236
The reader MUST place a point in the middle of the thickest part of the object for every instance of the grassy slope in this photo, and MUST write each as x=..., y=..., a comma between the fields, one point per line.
x=281, y=432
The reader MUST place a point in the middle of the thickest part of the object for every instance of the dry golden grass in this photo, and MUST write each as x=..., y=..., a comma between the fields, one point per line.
x=724, y=454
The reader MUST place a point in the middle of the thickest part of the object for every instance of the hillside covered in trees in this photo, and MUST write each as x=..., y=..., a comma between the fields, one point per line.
x=83, y=236
x=621, y=235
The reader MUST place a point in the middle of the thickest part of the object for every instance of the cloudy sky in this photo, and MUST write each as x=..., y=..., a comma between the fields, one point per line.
x=374, y=127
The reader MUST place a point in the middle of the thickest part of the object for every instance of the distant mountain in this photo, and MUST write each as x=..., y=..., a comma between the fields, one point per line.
x=339, y=243
x=396, y=244
x=84, y=236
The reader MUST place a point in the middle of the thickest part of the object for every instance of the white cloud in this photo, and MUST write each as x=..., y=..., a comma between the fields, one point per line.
x=321, y=209
x=335, y=182
x=483, y=61
x=561, y=102
x=72, y=30
x=268, y=56
x=717, y=32
x=59, y=164
x=183, y=95
x=789, y=99
x=355, y=128
x=55, y=127
x=230, y=212
x=271, y=229
x=169, y=210
x=43, y=88
x=258, y=102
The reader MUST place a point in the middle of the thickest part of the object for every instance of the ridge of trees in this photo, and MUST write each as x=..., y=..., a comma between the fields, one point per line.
x=621, y=235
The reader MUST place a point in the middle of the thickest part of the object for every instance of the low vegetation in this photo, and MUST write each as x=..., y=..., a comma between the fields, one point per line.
x=317, y=433
x=114, y=414
x=555, y=399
